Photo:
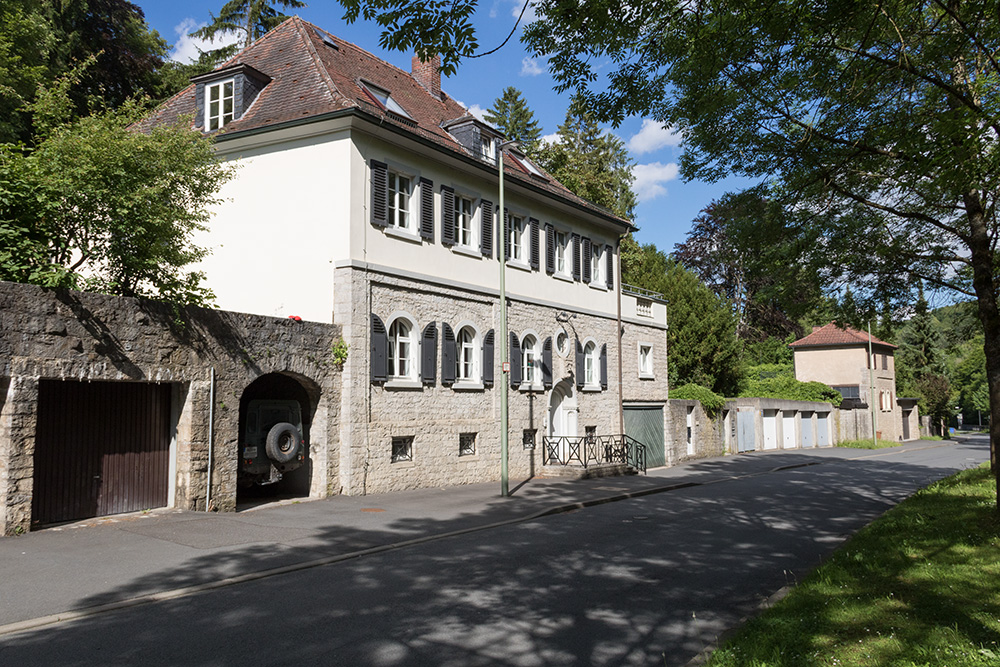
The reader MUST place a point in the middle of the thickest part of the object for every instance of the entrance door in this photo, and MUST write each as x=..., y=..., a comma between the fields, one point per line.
x=745, y=431
x=645, y=424
x=788, y=430
x=562, y=417
x=906, y=424
x=770, y=429
x=100, y=448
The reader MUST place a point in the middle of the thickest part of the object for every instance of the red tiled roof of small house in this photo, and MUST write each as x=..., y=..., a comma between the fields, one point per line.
x=832, y=335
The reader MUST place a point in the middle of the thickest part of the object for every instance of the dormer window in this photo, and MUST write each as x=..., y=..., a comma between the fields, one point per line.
x=384, y=99
x=225, y=95
x=219, y=105
x=487, y=148
x=475, y=136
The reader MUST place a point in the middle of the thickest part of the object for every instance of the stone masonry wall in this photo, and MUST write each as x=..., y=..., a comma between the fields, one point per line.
x=436, y=415
x=66, y=335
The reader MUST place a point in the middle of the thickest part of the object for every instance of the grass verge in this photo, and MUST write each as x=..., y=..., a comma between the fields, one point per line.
x=920, y=586
x=867, y=444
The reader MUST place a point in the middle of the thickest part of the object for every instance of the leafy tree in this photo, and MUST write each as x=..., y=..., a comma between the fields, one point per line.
x=128, y=52
x=511, y=115
x=644, y=266
x=96, y=205
x=249, y=18
x=701, y=341
x=26, y=39
x=590, y=162
x=936, y=398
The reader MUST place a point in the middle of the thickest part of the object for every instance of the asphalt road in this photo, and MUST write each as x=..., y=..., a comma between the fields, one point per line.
x=651, y=580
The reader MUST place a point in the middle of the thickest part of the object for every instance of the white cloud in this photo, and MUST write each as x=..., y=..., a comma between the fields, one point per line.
x=649, y=179
x=653, y=136
x=187, y=48
x=548, y=139
x=478, y=112
x=530, y=67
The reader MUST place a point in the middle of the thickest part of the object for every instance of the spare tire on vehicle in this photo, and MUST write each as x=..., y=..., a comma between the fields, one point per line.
x=283, y=442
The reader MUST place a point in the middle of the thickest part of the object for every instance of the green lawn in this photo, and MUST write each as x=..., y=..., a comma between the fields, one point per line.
x=920, y=586
x=867, y=444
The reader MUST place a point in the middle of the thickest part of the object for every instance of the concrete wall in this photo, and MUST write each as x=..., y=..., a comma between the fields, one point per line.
x=65, y=335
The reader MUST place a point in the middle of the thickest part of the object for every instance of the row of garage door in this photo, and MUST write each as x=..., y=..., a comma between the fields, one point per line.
x=780, y=430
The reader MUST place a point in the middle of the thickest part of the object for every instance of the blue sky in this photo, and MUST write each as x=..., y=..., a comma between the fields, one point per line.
x=667, y=205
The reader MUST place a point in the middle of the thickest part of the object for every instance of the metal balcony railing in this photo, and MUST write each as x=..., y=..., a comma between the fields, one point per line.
x=596, y=449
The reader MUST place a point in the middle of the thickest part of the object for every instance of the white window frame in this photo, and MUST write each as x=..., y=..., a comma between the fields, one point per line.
x=591, y=365
x=467, y=355
x=465, y=237
x=402, y=352
x=645, y=361
x=518, y=238
x=597, y=277
x=532, y=353
x=400, y=211
x=563, y=253
x=220, y=117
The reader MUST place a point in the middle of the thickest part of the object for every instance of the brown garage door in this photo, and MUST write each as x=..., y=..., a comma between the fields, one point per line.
x=100, y=448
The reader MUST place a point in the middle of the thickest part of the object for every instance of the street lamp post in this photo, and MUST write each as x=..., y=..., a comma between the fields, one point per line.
x=504, y=360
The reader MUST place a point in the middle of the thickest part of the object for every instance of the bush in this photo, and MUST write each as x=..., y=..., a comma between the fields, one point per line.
x=778, y=381
x=710, y=401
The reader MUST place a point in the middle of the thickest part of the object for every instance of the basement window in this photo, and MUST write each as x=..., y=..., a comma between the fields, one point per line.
x=402, y=448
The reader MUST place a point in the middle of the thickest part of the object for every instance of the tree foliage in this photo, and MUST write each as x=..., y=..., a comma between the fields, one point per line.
x=590, y=162
x=96, y=205
x=511, y=115
x=778, y=381
x=248, y=18
x=711, y=402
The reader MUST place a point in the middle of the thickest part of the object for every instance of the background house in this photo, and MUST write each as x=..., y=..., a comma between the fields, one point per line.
x=856, y=364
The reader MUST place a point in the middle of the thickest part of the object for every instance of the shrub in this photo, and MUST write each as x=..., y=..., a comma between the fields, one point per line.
x=710, y=401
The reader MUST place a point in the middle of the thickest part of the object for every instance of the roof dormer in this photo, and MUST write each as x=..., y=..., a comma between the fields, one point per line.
x=223, y=96
x=475, y=136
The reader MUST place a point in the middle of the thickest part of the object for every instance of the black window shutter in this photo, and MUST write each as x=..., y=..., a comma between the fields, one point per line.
x=515, y=361
x=604, y=366
x=576, y=256
x=488, y=359
x=447, y=216
x=534, y=244
x=428, y=354
x=506, y=235
x=547, y=363
x=380, y=193
x=486, y=237
x=379, y=350
x=609, y=256
x=579, y=365
x=550, y=249
x=448, y=354
x=427, y=209
x=586, y=259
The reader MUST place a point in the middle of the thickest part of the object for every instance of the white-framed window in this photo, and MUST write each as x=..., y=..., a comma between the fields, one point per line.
x=562, y=253
x=219, y=104
x=400, y=194
x=518, y=239
x=531, y=361
x=468, y=356
x=464, y=212
x=645, y=360
x=597, y=276
x=590, y=364
x=487, y=148
x=384, y=98
x=562, y=343
x=401, y=350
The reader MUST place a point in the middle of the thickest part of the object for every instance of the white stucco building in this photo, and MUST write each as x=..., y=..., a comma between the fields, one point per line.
x=367, y=197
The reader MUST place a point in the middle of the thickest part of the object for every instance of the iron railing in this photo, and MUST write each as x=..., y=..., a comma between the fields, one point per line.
x=586, y=450
x=641, y=292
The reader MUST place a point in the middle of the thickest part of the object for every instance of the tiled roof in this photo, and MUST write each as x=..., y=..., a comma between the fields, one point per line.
x=311, y=78
x=833, y=335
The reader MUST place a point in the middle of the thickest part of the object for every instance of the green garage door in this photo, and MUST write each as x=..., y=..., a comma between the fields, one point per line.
x=645, y=424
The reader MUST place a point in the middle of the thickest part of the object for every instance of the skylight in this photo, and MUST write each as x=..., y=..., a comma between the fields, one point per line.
x=385, y=99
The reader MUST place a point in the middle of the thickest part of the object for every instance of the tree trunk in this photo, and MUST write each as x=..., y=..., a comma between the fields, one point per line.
x=989, y=316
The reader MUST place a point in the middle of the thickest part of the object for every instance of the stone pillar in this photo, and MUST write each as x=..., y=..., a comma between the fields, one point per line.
x=352, y=312
x=18, y=419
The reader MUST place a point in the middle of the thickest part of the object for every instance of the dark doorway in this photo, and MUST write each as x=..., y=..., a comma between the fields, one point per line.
x=100, y=448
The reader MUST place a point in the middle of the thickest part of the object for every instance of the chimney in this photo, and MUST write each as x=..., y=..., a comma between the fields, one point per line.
x=427, y=74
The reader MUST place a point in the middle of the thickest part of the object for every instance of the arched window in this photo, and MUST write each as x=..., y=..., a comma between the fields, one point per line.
x=590, y=364
x=467, y=359
x=531, y=361
x=401, y=347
